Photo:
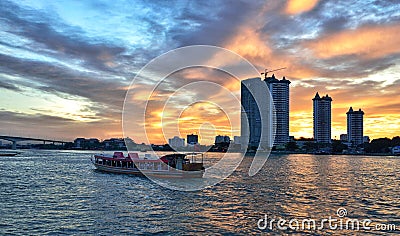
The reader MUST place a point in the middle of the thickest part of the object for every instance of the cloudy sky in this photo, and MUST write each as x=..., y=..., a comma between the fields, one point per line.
x=65, y=66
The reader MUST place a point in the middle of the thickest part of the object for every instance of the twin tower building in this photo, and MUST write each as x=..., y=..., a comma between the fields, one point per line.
x=261, y=99
x=265, y=112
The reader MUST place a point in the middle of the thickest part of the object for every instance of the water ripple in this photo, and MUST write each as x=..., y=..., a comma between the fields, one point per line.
x=50, y=192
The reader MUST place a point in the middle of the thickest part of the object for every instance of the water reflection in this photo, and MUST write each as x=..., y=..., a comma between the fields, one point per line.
x=59, y=192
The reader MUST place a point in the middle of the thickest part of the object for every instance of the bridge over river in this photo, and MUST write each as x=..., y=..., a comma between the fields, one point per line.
x=15, y=139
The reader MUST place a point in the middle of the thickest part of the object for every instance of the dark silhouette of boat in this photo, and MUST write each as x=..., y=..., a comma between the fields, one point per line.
x=8, y=154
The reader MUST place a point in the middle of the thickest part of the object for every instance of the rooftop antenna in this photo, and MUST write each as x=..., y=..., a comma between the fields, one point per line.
x=267, y=71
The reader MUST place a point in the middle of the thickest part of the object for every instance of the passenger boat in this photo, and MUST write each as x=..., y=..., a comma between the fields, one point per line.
x=171, y=165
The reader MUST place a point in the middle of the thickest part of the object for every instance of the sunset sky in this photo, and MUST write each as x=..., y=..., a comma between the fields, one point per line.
x=65, y=66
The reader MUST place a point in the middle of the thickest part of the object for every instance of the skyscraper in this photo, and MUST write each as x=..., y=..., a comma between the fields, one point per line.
x=176, y=142
x=222, y=139
x=279, y=90
x=256, y=115
x=355, y=126
x=322, y=118
x=250, y=114
x=192, y=139
x=257, y=106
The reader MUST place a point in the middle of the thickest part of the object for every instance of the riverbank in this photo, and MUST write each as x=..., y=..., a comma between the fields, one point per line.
x=327, y=154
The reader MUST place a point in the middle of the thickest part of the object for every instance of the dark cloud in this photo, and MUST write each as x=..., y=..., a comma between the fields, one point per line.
x=13, y=119
x=216, y=21
x=32, y=125
x=70, y=44
x=393, y=108
x=288, y=34
x=350, y=66
x=9, y=86
x=55, y=79
x=335, y=24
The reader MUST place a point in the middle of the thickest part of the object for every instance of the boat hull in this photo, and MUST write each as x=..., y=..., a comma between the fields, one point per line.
x=155, y=173
x=8, y=154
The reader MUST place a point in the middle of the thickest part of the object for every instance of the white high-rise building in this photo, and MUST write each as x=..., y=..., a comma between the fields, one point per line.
x=237, y=140
x=322, y=118
x=222, y=139
x=256, y=129
x=176, y=142
x=259, y=98
x=279, y=90
x=355, y=126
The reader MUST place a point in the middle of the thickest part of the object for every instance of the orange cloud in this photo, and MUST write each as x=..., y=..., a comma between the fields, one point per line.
x=255, y=47
x=299, y=6
x=203, y=118
x=301, y=123
x=248, y=43
x=367, y=42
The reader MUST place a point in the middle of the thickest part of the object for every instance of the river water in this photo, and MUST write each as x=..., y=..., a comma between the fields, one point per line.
x=59, y=192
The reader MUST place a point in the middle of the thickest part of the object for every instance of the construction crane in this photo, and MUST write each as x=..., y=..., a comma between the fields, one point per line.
x=267, y=71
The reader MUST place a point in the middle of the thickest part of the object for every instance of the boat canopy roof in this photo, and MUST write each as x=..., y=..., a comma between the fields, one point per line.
x=119, y=156
x=127, y=159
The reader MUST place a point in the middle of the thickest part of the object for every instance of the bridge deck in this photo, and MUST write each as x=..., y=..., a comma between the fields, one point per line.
x=20, y=139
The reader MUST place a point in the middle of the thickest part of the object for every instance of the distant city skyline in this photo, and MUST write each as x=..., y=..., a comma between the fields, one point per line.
x=321, y=108
x=66, y=65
